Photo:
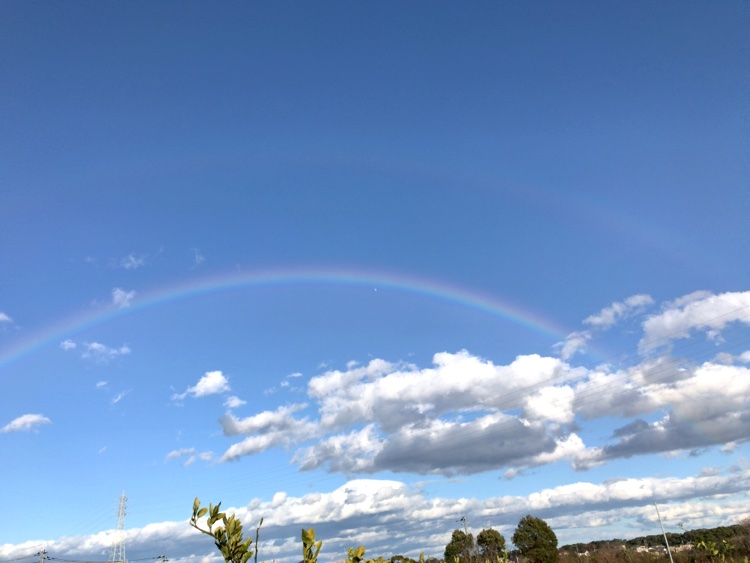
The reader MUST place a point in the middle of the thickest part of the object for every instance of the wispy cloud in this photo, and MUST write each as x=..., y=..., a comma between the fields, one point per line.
x=122, y=298
x=25, y=422
x=234, y=402
x=4, y=318
x=198, y=258
x=212, y=383
x=605, y=319
x=133, y=262
x=189, y=456
x=97, y=352
x=119, y=397
x=609, y=316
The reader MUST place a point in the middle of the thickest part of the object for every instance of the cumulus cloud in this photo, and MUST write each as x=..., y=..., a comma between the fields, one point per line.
x=710, y=408
x=25, y=422
x=464, y=414
x=4, y=318
x=122, y=298
x=68, y=345
x=448, y=419
x=212, y=383
x=468, y=415
x=696, y=311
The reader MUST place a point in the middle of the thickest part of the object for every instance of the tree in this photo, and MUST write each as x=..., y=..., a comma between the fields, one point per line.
x=491, y=544
x=461, y=546
x=535, y=540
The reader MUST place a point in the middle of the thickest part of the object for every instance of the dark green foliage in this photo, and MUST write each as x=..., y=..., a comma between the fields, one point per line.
x=535, y=540
x=461, y=546
x=491, y=544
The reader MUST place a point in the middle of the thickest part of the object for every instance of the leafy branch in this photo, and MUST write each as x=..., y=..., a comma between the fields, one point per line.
x=228, y=536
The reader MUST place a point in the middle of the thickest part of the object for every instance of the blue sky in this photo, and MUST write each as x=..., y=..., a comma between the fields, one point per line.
x=371, y=268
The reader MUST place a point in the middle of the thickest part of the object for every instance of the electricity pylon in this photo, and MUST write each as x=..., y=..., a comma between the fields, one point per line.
x=118, y=542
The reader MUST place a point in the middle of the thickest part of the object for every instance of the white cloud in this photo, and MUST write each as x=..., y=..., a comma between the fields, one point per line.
x=119, y=397
x=212, y=383
x=122, y=298
x=68, y=345
x=696, y=311
x=266, y=430
x=347, y=453
x=467, y=415
x=575, y=342
x=25, y=422
x=388, y=516
x=234, y=402
x=198, y=258
x=100, y=353
x=132, y=262
x=280, y=418
x=609, y=316
x=708, y=405
x=451, y=418
x=4, y=318
x=189, y=456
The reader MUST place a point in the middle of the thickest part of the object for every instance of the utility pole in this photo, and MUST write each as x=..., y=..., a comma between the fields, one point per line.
x=43, y=554
x=463, y=519
x=669, y=551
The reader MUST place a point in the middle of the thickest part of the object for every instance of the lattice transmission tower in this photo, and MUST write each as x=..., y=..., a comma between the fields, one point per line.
x=118, y=542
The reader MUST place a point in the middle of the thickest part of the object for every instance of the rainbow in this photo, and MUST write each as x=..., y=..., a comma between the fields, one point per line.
x=56, y=332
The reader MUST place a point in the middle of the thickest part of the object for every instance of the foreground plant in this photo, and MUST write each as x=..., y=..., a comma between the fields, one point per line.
x=310, y=547
x=228, y=537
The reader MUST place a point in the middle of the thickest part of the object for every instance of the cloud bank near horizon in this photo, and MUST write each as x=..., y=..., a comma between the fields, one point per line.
x=389, y=517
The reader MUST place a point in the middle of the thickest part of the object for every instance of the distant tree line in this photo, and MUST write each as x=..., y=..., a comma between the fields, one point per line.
x=534, y=542
x=717, y=535
x=723, y=544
